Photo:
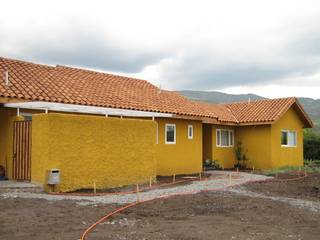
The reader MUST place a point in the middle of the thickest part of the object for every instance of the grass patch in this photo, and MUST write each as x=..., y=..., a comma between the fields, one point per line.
x=310, y=167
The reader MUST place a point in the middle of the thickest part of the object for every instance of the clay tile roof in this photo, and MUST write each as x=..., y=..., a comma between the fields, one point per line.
x=61, y=84
x=36, y=82
x=266, y=111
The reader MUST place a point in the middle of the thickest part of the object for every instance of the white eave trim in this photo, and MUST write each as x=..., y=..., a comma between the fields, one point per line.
x=73, y=108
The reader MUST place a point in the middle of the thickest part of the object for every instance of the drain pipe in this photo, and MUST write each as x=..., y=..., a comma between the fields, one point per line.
x=157, y=130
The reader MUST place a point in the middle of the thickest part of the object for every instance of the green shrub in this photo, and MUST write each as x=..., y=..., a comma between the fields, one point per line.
x=311, y=145
x=241, y=156
x=211, y=164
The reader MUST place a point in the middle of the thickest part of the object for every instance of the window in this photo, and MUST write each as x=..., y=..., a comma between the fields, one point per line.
x=26, y=116
x=288, y=138
x=170, y=134
x=190, y=132
x=225, y=138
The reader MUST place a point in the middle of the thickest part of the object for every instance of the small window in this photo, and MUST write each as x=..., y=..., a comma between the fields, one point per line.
x=218, y=138
x=288, y=138
x=190, y=132
x=225, y=138
x=26, y=116
x=170, y=134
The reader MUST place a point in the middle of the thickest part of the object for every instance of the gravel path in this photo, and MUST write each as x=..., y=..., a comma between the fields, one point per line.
x=194, y=187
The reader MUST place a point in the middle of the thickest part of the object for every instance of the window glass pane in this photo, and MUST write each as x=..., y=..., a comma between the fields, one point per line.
x=284, y=138
x=231, y=138
x=292, y=138
x=190, y=131
x=224, y=138
x=218, y=137
x=170, y=133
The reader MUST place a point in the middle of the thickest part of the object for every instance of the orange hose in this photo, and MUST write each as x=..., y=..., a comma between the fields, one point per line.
x=121, y=209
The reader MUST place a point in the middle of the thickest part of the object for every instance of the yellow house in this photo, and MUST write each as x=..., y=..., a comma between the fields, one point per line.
x=100, y=129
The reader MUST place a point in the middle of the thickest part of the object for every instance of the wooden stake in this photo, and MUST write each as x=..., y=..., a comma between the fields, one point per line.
x=174, y=178
x=150, y=182
x=137, y=192
x=200, y=176
x=94, y=188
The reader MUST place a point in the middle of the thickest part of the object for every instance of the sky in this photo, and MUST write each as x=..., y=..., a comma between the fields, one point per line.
x=270, y=48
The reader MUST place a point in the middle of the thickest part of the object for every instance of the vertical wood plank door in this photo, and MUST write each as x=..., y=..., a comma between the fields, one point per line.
x=22, y=150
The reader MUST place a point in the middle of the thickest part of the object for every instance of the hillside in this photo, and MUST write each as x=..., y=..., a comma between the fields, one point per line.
x=312, y=106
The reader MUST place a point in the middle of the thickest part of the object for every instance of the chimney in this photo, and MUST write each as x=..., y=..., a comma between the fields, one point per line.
x=159, y=91
x=249, y=100
x=6, y=77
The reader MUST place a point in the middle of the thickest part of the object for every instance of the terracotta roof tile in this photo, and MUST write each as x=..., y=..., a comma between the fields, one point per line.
x=36, y=82
x=62, y=84
x=266, y=111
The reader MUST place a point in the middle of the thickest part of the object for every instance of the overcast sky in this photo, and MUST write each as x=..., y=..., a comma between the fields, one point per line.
x=271, y=48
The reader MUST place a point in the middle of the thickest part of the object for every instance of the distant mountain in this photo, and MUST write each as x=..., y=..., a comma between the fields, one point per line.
x=312, y=106
x=218, y=97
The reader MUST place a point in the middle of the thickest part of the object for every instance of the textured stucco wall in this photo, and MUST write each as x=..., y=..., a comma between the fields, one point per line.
x=256, y=143
x=7, y=117
x=109, y=151
x=287, y=156
x=184, y=157
x=224, y=155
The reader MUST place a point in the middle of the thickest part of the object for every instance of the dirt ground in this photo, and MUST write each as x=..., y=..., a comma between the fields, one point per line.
x=307, y=188
x=216, y=215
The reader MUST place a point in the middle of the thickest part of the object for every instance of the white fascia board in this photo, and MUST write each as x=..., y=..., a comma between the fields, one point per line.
x=73, y=108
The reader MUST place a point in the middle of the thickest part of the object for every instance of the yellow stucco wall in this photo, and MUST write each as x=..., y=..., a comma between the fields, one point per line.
x=7, y=117
x=224, y=155
x=256, y=143
x=184, y=157
x=109, y=151
x=287, y=156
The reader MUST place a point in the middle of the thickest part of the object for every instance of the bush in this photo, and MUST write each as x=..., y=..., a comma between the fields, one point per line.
x=211, y=165
x=311, y=145
x=241, y=156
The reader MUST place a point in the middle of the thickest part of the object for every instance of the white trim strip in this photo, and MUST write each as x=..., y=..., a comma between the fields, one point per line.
x=73, y=108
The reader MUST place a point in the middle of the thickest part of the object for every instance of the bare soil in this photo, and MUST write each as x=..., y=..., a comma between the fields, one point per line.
x=306, y=189
x=216, y=215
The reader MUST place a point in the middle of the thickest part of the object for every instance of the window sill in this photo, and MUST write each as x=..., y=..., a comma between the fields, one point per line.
x=287, y=146
x=170, y=143
x=224, y=146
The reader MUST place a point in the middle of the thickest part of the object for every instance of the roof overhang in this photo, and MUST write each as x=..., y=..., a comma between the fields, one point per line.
x=73, y=108
x=296, y=105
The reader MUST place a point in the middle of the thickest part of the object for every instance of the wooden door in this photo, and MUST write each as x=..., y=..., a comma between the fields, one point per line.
x=22, y=150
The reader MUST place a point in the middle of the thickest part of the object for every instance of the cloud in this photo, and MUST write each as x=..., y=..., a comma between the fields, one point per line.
x=83, y=48
x=293, y=57
x=207, y=46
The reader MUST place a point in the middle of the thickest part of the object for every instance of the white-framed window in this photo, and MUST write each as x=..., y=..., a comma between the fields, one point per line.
x=170, y=133
x=288, y=138
x=190, y=131
x=225, y=138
